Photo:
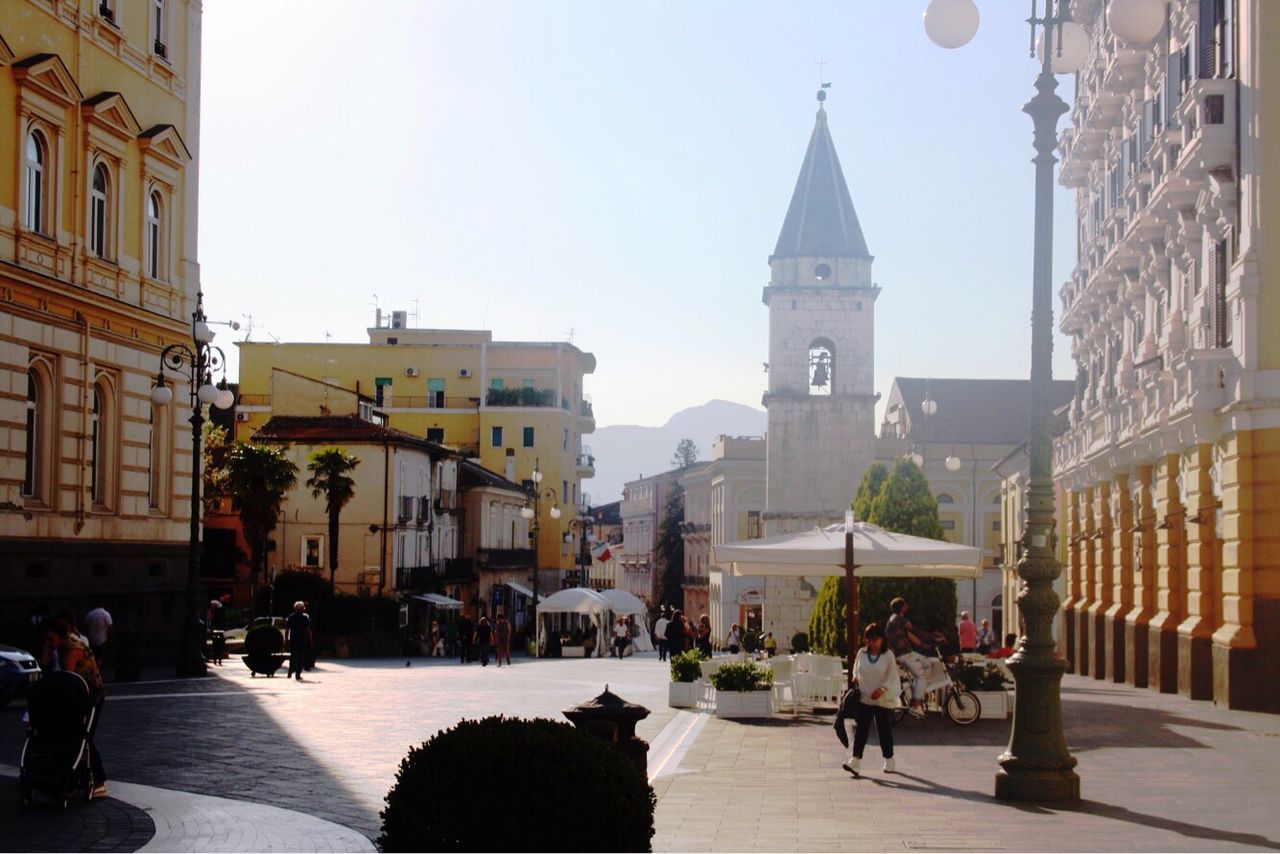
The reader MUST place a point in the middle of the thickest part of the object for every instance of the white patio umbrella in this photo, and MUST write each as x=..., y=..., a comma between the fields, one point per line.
x=574, y=600
x=853, y=549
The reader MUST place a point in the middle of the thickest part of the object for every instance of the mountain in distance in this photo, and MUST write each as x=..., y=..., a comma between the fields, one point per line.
x=625, y=452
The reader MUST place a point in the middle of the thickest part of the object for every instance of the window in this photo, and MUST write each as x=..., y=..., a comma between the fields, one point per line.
x=312, y=546
x=435, y=434
x=995, y=525
x=157, y=451
x=565, y=445
x=158, y=22
x=381, y=390
x=95, y=449
x=526, y=384
x=495, y=437
x=948, y=524
x=37, y=190
x=946, y=499
x=564, y=492
x=31, y=473
x=997, y=614
x=528, y=437
x=154, y=231
x=496, y=384
x=435, y=393
x=821, y=367
x=102, y=443
x=98, y=206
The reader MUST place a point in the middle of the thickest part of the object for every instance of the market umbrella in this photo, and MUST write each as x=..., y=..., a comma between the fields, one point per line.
x=833, y=550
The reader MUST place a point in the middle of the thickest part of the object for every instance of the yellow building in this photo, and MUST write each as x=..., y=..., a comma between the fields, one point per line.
x=99, y=123
x=511, y=405
x=1171, y=463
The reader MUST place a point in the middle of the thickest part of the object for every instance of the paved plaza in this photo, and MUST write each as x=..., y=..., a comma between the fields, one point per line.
x=240, y=763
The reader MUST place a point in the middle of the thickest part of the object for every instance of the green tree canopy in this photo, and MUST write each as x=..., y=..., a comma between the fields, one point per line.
x=329, y=479
x=670, y=550
x=903, y=503
x=686, y=454
x=258, y=476
x=872, y=479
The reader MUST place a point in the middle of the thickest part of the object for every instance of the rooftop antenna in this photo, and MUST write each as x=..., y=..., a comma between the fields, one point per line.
x=377, y=313
x=327, y=336
x=248, y=325
x=570, y=334
x=415, y=313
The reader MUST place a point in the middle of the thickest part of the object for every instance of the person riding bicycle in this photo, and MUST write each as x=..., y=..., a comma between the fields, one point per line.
x=904, y=639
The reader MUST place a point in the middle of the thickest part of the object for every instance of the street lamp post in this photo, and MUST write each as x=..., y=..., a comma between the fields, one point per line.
x=584, y=525
x=196, y=363
x=532, y=511
x=1036, y=766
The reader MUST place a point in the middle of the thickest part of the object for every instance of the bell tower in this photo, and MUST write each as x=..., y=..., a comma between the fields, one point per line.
x=821, y=397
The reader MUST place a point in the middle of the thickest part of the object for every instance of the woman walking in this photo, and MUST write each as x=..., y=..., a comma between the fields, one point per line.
x=734, y=641
x=875, y=671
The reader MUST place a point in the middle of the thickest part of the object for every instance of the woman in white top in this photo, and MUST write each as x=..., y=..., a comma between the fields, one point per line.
x=734, y=641
x=875, y=671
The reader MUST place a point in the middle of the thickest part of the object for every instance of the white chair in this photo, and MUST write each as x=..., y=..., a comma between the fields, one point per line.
x=828, y=679
x=783, y=682
x=707, y=691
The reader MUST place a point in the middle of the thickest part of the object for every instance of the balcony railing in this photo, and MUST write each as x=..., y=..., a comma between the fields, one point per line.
x=586, y=410
x=430, y=401
x=501, y=558
x=520, y=397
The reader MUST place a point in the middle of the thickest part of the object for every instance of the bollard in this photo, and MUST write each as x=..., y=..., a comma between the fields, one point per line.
x=612, y=718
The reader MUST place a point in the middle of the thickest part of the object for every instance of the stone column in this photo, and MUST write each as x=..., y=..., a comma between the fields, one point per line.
x=1144, y=561
x=1083, y=609
x=1162, y=647
x=1121, y=578
x=1249, y=472
x=1195, y=654
x=1102, y=576
x=1074, y=570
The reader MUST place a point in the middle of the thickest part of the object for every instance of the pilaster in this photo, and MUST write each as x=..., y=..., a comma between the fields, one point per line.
x=1084, y=620
x=1143, y=573
x=1195, y=657
x=1074, y=570
x=1121, y=577
x=1162, y=648
x=1102, y=577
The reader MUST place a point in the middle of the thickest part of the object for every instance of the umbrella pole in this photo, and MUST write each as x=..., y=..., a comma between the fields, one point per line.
x=851, y=622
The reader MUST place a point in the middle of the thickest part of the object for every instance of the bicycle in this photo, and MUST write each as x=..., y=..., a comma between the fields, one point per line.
x=942, y=694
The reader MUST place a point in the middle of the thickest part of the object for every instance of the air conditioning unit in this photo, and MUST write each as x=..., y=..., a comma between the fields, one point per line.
x=399, y=319
x=242, y=416
x=410, y=372
x=465, y=372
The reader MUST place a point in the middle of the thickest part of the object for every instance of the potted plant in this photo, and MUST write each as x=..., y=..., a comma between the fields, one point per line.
x=263, y=647
x=682, y=693
x=743, y=690
x=988, y=685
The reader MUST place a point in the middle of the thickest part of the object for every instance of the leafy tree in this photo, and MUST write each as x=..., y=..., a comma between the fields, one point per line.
x=904, y=504
x=258, y=476
x=670, y=550
x=216, y=450
x=329, y=469
x=686, y=454
x=872, y=480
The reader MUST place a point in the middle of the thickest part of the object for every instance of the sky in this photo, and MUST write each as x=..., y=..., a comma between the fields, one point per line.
x=618, y=171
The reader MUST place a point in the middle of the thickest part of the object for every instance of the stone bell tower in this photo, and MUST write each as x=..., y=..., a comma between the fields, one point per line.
x=821, y=398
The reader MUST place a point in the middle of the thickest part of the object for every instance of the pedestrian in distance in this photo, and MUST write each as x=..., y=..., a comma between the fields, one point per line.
x=621, y=637
x=97, y=628
x=64, y=649
x=299, y=639
x=734, y=641
x=1010, y=644
x=450, y=638
x=968, y=633
x=589, y=638
x=986, y=637
x=875, y=672
x=502, y=632
x=704, y=636
x=466, y=636
x=675, y=634
x=660, y=635
x=770, y=645
x=484, y=638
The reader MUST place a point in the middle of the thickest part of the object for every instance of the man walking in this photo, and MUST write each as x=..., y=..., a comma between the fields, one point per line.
x=297, y=635
x=968, y=633
x=502, y=631
x=97, y=628
x=466, y=634
x=660, y=635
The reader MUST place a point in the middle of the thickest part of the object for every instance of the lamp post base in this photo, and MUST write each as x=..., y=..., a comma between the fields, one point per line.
x=1039, y=786
x=1037, y=766
x=191, y=661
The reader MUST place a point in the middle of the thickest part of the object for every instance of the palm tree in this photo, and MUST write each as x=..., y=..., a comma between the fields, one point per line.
x=258, y=476
x=329, y=479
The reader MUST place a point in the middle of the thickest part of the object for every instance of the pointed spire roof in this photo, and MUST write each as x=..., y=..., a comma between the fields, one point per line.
x=821, y=219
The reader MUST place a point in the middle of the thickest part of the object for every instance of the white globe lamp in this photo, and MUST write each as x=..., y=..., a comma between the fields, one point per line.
x=202, y=332
x=928, y=406
x=537, y=476
x=207, y=393
x=951, y=23
x=526, y=512
x=917, y=458
x=161, y=395
x=1136, y=22
x=952, y=463
x=1075, y=49
x=555, y=512
x=226, y=398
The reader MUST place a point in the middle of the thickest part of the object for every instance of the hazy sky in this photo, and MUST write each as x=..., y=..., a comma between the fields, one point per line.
x=619, y=169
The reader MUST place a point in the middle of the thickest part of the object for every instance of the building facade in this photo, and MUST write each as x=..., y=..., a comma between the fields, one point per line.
x=736, y=482
x=1170, y=462
x=821, y=397
x=100, y=121
x=644, y=502
x=509, y=405
x=496, y=542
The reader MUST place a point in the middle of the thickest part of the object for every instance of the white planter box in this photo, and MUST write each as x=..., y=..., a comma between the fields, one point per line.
x=744, y=704
x=571, y=652
x=995, y=704
x=682, y=695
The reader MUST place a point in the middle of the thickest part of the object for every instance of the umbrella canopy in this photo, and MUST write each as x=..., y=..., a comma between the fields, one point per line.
x=575, y=600
x=623, y=603
x=876, y=553
x=438, y=600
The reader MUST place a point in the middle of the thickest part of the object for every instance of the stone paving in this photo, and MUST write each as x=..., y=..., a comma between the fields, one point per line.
x=1159, y=772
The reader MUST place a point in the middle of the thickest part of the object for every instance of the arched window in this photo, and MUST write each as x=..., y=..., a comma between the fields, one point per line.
x=37, y=189
x=38, y=469
x=157, y=453
x=102, y=446
x=30, y=477
x=822, y=367
x=154, y=232
x=99, y=219
x=95, y=448
x=944, y=498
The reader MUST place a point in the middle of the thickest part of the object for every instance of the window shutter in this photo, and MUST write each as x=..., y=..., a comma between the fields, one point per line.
x=1221, y=320
x=1211, y=280
x=1226, y=39
x=1206, y=49
x=1188, y=323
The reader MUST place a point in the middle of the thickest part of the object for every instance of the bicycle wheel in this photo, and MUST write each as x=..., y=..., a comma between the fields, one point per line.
x=898, y=714
x=963, y=707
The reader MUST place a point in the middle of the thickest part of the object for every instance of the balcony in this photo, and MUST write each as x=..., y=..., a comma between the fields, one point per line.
x=504, y=558
x=586, y=464
x=1208, y=113
x=520, y=397
x=401, y=402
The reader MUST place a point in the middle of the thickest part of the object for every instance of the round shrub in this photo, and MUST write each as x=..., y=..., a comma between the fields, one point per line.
x=742, y=676
x=582, y=793
x=263, y=640
x=800, y=642
x=685, y=668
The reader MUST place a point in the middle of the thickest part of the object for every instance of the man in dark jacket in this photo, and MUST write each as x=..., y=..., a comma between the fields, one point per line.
x=676, y=633
x=466, y=634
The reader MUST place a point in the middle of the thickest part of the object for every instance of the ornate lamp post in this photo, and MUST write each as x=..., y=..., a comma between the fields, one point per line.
x=584, y=525
x=196, y=364
x=531, y=511
x=1036, y=766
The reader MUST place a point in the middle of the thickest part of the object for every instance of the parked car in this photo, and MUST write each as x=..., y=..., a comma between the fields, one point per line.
x=18, y=670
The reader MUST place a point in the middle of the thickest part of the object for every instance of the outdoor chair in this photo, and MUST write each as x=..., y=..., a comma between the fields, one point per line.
x=783, y=682
x=827, y=679
x=706, y=691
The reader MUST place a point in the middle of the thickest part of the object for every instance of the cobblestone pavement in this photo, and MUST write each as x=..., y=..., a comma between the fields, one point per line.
x=108, y=825
x=1159, y=772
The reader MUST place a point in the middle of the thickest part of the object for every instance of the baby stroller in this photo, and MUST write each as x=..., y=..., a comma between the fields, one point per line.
x=55, y=756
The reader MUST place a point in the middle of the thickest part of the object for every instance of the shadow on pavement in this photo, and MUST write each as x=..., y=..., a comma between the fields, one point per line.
x=1103, y=810
x=212, y=737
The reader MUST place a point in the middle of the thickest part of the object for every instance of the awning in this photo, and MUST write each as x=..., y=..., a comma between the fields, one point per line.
x=520, y=588
x=438, y=600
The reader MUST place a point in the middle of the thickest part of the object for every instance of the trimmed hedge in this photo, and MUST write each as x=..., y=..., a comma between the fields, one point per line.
x=742, y=676
x=553, y=786
x=263, y=640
